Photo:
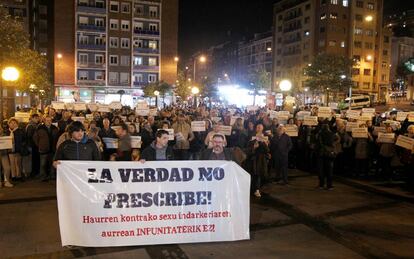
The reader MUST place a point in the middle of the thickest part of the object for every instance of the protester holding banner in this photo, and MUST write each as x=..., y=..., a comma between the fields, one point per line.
x=386, y=153
x=79, y=147
x=407, y=158
x=158, y=150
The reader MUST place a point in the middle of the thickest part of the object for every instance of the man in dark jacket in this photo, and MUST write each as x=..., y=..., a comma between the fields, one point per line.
x=124, y=144
x=79, y=147
x=33, y=158
x=217, y=152
x=45, y=138
x=107, y=132
x=64, y=122
x=280, y=147
x=327, y=154
x=159, y=149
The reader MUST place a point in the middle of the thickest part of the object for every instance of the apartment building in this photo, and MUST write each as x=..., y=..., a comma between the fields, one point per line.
x=304, y=28
x=103, y=47
x=403, y=51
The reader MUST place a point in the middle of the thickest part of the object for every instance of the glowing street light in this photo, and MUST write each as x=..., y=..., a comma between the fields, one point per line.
x=59, y=56
x=285, y=85
x=195, y=91
x=269, y=49
x=369, y=18
x=9, y=74
x=203, y=59
x=343, y=76
x=369, y=57
x=156, y=93
x=176, y=59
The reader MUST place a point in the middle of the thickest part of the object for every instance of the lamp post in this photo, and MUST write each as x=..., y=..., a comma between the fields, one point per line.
x=195, y=91
x=202, y=59
x=156, y=93
x=285, y=86
x=8, y=74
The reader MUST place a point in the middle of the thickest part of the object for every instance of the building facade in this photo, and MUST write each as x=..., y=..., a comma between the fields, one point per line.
x=402, y=51
x=305, y=28
x=103, y=47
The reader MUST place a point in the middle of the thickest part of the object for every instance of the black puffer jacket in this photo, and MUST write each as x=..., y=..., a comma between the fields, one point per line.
x=86, y=149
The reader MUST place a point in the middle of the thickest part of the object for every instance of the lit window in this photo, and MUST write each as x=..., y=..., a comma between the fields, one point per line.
x=334, y=1
x=323, y=16
x=152, y=61
x=152, y=44
x=333, y=15
x=138, y=61
x=99, y=75
x=332, y=43
x=370, y=6
x=358, y=31
x=342, y=44
x=345, y=3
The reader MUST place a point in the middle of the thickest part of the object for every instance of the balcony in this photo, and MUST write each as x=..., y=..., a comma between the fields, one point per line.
x=146, y=68
x=91, y=46
x=91, y=27
x=91, y=82
x=147, y=32
x=91, y=9
x=91, y=65
x=146, y=16
x=146, y=50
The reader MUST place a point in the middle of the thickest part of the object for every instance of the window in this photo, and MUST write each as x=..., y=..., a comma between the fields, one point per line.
x=113, y=77
x=384, y=64
x=358, y=31
x=83, y=20
x=114, y=7
x=152, y=61
x=125, y=7
x=153, y=11
x=367, y=72
x=138, y=43
x=279, y=28
x=369, y=32
x=99, y=41
x=138, y=61
x=99, y=22
x=370, y=6
x=306, y=45
x=83, y=59
x=125, y=60
x=355, y=71
x=152, y=78
x=99, y=59
x=279, y=51
x=383, y=77
x=278, y=63
x=125, y=25
x=306, y=58
x=366, y=85
x=357, y=44
x=138, y=26
x=360, y=4
x=99, y=75
x=332, y=43
x=43, y=24
x=124, y=78
x=138, y=78
x=113, y=60
x=334, y=1
x=83, y=40
x=358, y=17
x=153, y=27
x=307, y=20
x=323, y=2
x=100, y=3
x=342, y=44
x=114, y=23
x=42, y=9
x=279, y=40
x=357, y=58
x=333, y=15
x=113, y=42
x=152, y=44
x=323, y=16
x=280, y=17
x=83, y=75
x=83, y=2
x=321, y=43
x=345, y=3
x=125, y=43
x=368, y=45
x=139, y=9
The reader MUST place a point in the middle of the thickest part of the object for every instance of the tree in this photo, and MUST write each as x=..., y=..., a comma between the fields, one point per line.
x=260, y=79
x=183, y=86
x=330, y=72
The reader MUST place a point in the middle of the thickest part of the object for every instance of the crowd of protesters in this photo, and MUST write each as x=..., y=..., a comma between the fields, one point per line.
x=257, y=142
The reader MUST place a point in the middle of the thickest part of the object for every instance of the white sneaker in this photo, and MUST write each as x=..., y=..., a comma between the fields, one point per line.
x=257, y=194
x=8, y=184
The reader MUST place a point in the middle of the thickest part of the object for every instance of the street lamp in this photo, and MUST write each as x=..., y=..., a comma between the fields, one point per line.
x=9, y=74
x=156, y=93
x=285, y=85
x=176, y=59
x=59, y=56
x=195, y=91
x=369, y=18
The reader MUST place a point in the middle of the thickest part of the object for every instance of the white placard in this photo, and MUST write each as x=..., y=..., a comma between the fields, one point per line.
x=79, y=106
x=216, y=119
x=110, y=142
x=226, y=130
x=170, y=133
x=310, y=120
x=282, y=119
x=252, y=108
x=353, y=114
x=351, y=125
x=115, y=128
x=115, y=106
x=405, y=142
x=273, y=114
x=69, y=106
x=153, y=112
x=234, y=118
x=142, y=112
x=360, y=133
x=22, y=116
x=386, y=137
x=81, y=119
x=103, y=108
x=411, y=117
x=104, y=203
x=6, y=142
x=300, y=115
x=369, y=110
x=93, y=107
x=135, y=141
x=378, y=130
x=198, y=126
x=292, y=130
x=58, y=105
x=324, y=112
x=401, y=116
x=89, y=117
x=365, y=118
x=142, y=106
x=283, y=113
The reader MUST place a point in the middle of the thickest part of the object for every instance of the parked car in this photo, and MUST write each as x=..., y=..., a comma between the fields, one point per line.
x=358, y=101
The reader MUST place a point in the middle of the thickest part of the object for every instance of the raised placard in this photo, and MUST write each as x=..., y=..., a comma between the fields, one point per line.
x=115, y=105
x=110, y=142
x=405, y=142
x=135, y=141
x=6, y=142
x=291, y=130
x=226, y=130
x=360, y=133
x=58, y=105
x=310, y=120
x=386, y=137
x=79, y=106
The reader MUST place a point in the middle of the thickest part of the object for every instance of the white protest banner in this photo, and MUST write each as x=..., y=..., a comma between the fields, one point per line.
x=351, y=125
x=324, y=112
x=92, y=106
x=405, y=142
x=393, y=124
x=368, y=111
x=273, y=114
x=360, y=133
x=401, y=116
x=333, y=106
x=6, y=142
x=234, y=118
x=142, y=112
x=378, y=130
x=300, y=115
x=135, y=141
x=110, y=142
x=103, y=108
x=79, y=106
x=58, y=105
x=226, y=130
x=89, y=117
x=69, y=106
x=81, y=119
x=291, y=130
x=198, y=126
x=352, y=114
x=115, y=105
x=170, y=133
x=22, y=116
x=310, y=120
x=411, y=117
x=386, y=137
x=153, y=112
x=127, y=203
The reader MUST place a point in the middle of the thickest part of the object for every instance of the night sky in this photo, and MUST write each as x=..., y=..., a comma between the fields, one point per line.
x=203, y=23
